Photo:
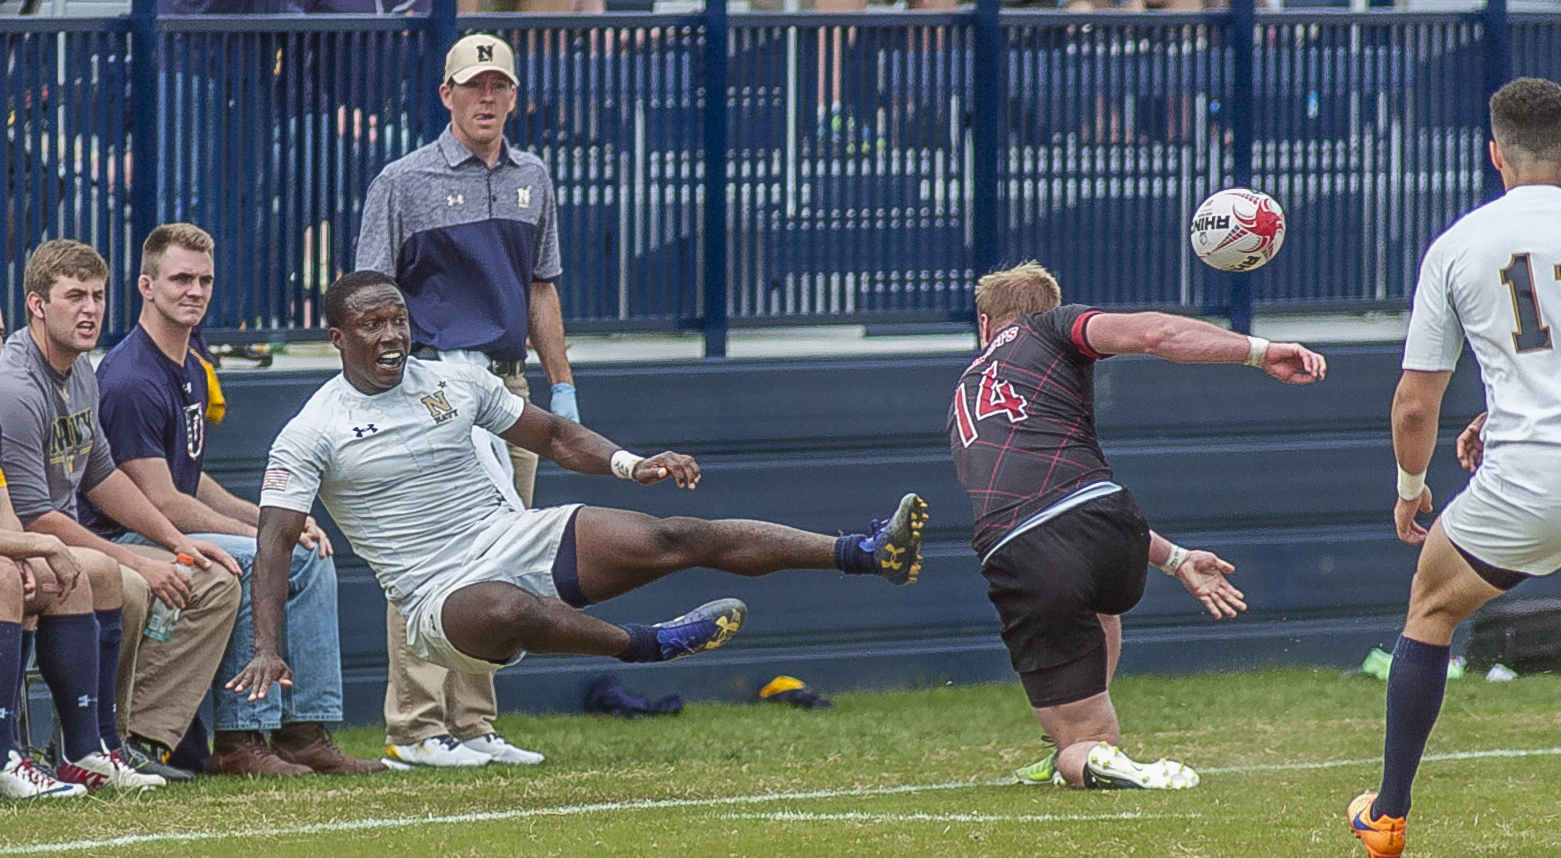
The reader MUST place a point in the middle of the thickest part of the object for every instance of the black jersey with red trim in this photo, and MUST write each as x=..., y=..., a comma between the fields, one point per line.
x=1022, y=423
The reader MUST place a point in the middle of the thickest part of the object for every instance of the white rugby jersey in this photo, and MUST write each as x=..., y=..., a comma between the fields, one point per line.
x=396, y=470
x=1495, y=278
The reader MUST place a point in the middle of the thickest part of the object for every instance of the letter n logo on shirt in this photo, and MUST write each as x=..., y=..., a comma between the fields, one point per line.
x=523, y=197
x=439, y=408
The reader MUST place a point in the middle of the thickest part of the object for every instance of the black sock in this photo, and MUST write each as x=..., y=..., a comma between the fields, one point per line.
x=10, y=685
x=1416, y=684
x=109, y=636
x=643, y=646
x=851, y=559
x=68, y=660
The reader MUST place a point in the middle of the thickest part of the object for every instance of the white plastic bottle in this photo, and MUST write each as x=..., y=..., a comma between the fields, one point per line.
x=160, y=620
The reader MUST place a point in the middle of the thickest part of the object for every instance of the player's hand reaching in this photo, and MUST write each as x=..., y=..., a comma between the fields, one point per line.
x=1470, y=446
x=1404, y=511
x=1293, y=363
x=1203, y=574
x=257, y=676
x=682, y=469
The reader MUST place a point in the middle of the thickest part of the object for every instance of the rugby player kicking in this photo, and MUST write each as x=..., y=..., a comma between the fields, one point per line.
x=386, y=445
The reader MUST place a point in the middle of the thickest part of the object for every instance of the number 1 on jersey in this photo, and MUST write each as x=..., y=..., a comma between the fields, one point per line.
x=1531, y=335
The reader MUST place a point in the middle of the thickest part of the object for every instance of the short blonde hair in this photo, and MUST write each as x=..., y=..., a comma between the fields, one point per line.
x=61, y=257
x=1026, y=288
x=185, y=235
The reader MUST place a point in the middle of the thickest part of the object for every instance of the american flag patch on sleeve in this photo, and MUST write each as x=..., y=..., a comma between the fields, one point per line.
x=275, y=480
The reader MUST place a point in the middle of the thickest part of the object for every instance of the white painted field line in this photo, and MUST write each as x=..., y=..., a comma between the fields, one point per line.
x=803, y=816
x=615, y=807
x=492, y=816
x=1335, y=764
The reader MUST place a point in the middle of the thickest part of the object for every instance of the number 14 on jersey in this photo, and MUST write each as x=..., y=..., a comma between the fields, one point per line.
x=993, y=397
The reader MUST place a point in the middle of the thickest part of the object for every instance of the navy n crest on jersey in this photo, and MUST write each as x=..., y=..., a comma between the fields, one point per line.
x=1022, y=423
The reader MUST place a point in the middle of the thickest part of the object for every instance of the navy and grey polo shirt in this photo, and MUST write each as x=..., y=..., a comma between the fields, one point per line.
x=464, y=242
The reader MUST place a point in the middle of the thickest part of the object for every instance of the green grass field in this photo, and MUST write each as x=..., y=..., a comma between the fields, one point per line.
x=907, y=774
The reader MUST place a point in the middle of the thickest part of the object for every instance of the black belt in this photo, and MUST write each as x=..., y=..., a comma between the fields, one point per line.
x=500, y=368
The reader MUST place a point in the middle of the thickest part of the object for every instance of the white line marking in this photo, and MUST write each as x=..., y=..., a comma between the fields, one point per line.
x=800, y=816
x=1428, y=758
x=615, y=807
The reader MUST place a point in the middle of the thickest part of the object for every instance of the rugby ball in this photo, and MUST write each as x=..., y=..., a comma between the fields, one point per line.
x=1238, y=229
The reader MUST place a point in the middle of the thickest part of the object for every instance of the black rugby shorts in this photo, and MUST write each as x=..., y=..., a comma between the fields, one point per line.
x=1049, y=583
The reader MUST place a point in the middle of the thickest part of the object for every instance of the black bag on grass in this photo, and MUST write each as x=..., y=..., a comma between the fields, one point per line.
x=1524, y=635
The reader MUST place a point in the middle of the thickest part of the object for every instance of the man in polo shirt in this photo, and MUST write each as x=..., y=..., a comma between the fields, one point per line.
x=154, y=396
x=468, y=227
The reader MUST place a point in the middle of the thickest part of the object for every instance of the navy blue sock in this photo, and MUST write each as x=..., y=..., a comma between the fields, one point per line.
x=851, y=559
x=10, y=684
x=1416, y=683
x=643, y=645
x=109, y=635
x=29, y=637
x=68, y=660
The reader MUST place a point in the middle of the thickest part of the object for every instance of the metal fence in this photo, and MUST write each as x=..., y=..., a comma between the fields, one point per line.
x=861, y=168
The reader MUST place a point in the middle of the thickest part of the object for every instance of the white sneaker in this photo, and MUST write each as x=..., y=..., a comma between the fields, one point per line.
x=1112, y=769
x=107, y=768
x=501, y=751
x=440, y=751
x=21, y=779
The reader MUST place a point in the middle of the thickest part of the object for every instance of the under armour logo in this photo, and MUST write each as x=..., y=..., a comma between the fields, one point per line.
x=455, y=200
x=895, y=559
x=84, y=701
x=359, y=430
x=484, y=53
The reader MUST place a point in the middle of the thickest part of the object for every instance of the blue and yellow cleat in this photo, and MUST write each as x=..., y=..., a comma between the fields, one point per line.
x=1383, y=836
x=896, y=543
x=700, y=630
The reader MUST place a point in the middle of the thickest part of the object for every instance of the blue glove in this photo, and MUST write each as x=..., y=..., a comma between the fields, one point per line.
x=564, y=404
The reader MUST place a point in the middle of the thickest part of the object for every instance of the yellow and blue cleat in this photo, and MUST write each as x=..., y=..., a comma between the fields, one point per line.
x=700, y=630
x=896, y=544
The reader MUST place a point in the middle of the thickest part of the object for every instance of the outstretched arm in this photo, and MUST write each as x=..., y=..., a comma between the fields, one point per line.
x=578, y=449
x=278, y=533
x=1201, y=572
x=1185, y=340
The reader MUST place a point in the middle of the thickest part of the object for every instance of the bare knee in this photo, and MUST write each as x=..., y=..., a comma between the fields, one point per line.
x=102, y=578
x=673, y=540
x=494, y=620
x=10, y=591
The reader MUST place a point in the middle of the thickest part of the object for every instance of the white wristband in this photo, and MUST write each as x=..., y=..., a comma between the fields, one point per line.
x=623, y=463
x=1257, y=351
x=1174, y=561
x=1410, y=486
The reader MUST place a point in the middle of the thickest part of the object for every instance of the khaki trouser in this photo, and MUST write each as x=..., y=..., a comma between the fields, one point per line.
x=422, y=699
x=161, y=685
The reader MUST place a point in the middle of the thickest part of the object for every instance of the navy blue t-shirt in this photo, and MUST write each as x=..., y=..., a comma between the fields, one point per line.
x=151, y=407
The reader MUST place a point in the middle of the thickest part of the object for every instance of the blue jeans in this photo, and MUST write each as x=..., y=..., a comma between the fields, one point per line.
x=311, y=643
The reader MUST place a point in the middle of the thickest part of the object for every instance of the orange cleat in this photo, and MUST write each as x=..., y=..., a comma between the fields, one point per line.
x=1383, y=836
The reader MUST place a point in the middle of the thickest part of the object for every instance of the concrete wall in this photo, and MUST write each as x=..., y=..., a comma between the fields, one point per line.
x=1293, y=485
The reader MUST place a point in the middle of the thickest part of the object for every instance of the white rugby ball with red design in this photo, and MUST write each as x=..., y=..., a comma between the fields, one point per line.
x=1238, y=229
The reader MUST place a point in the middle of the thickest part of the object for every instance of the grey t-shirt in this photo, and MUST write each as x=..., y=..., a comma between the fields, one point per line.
x=52, y=442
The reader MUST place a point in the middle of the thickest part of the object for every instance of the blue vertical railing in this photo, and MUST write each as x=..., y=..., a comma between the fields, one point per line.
x=717, y=170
